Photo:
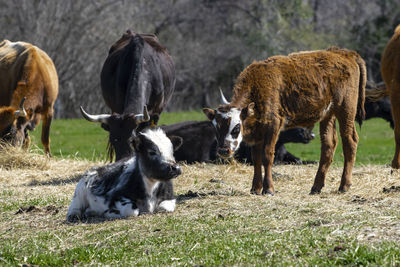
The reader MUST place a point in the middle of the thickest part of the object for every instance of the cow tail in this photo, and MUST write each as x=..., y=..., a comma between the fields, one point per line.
x=134, y=57
x=374, y=93
x=360, y=115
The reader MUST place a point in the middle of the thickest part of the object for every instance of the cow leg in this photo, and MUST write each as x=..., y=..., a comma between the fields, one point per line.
x=349, y=143
x=327, y=129
x=271, y=137
x=47, y=118
x=395, y=106
x=27, y=140
x=256, y=156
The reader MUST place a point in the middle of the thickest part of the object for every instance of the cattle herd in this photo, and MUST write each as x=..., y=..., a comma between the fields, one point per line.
x=274, y=102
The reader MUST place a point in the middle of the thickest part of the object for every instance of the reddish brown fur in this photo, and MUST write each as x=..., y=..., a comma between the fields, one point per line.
x=300, y=90
x=27, y=71
x=390, y=69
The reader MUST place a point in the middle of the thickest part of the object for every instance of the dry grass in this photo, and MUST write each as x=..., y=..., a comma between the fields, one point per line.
x=36, y=191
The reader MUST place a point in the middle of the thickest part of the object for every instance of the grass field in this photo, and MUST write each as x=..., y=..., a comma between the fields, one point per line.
x=217, y=221
x=78, y=138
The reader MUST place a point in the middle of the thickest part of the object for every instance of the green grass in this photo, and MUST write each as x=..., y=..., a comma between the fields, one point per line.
x=375, y=146
x=78, y=138
x=180, y=241
x=82, y=139
x=221, y=226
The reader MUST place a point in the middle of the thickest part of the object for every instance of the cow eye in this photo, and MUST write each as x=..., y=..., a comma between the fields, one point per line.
x=152, y=153
x=235, y=131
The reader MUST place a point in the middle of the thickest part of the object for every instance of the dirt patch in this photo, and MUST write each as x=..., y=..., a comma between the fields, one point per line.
x=392, y=189
x=51, y=209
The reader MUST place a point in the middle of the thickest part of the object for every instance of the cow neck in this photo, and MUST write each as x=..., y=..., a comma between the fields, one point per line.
x=134, y=97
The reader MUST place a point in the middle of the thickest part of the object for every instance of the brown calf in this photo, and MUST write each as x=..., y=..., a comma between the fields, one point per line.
x=300, y=90
x=27, y=73
x=390, y=69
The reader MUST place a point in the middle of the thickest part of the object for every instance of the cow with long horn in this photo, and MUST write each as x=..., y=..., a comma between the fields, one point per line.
x=138, y=72
x=123, y=126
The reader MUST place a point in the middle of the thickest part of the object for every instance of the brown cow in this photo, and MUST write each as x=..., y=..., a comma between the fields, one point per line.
x=298, y=90
x=27, y=74
x=390, y=69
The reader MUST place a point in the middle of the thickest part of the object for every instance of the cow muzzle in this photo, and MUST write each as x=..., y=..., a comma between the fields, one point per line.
x=173, y=171
x=225, y=152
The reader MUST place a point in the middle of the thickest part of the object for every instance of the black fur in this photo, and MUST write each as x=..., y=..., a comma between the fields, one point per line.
x=199, y=140
x=379, y=109
x=137, y=72
x=200, y=143
x=282, y=156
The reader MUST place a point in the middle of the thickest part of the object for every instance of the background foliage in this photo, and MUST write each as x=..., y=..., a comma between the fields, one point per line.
x=211, y=41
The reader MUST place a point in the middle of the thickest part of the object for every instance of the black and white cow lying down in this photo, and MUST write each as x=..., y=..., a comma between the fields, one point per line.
x=133, y=185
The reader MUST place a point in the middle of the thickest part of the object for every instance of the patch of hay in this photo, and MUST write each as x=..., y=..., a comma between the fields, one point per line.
x=12, y=158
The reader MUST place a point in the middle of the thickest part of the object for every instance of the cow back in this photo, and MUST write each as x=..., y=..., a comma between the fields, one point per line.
x=26, y=71
x=305, y=81
x=138, y=71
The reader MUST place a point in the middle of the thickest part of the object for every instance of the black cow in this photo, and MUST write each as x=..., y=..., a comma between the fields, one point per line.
x=137, y=72
x=133, y=185
x=379, y=109
x=282, y=156
x=200, y=143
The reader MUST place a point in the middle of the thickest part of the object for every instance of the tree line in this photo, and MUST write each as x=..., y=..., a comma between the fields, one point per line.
x=211, y=41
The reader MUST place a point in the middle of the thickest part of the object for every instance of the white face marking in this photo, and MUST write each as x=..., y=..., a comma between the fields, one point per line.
x=163, y=143
x=234, y=115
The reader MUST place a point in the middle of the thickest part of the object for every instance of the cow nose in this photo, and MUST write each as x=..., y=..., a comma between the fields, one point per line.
x=224, y=152
x=176, y=169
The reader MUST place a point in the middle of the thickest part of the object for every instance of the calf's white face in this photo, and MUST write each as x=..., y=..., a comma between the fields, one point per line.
x=156, y=154
x=228, y=128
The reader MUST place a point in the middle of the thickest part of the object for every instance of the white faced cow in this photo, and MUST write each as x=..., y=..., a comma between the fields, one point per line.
x=131, y=186
x=228, y=127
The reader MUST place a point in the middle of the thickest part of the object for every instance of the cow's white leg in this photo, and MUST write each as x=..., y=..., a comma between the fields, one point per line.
x=167, y=205
x=79, y=202
x=122, y=209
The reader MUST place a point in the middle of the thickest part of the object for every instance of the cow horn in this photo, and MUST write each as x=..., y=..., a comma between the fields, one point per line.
x=222, y=98
x=143, y=117
x=95, y=118
x=21, y=112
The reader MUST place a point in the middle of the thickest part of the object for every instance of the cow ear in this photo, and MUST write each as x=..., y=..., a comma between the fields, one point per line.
x=210, y=113
x=135, y=143
x=105, y=127
x=176, y=141
x=250, y=109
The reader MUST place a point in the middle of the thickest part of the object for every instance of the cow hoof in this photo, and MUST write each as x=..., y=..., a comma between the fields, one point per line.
x=344, y=189
x=268, y=192
x=395, y=165
x=315, y=191
x=255, y=192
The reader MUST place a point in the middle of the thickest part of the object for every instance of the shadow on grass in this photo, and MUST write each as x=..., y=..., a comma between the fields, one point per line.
x=56, y=182
x=191, y=195
x=90, y=220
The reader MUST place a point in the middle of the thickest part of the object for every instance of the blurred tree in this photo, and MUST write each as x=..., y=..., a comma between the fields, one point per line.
x=211, y=41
